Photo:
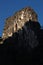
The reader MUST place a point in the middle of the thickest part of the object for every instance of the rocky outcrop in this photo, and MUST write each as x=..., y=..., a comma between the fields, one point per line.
x=24, y=46
x=17, y=21
x=22, y=39
x=28, y=36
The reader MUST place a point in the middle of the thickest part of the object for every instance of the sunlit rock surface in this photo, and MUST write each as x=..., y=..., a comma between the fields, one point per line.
x=17, y=21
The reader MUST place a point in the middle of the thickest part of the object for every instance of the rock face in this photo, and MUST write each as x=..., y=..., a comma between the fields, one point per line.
x=17, y=21
x=22, y=39
x=27, y=38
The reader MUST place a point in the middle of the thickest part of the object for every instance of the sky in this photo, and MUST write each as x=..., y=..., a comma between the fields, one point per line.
x=9, y=7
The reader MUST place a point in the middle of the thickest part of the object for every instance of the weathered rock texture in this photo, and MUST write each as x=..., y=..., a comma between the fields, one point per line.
x=17, y=21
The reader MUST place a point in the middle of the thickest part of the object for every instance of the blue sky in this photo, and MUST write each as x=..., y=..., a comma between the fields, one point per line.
x=9, y=7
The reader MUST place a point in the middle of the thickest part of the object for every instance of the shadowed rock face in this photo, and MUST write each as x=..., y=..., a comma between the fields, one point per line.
x=24, y=45
x=17, y=21
x=27, y=37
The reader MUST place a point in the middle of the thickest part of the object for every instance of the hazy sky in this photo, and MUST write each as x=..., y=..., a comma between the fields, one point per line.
x=9, y=7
